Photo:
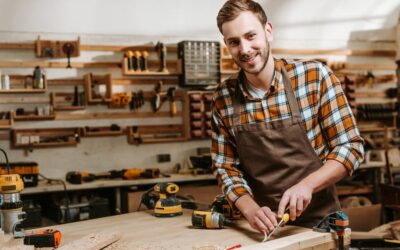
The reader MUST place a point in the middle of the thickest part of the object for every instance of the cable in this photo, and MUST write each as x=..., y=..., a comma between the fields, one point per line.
x=7, y=163
x=67, y=214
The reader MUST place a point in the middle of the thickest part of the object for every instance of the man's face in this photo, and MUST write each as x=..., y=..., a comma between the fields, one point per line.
x=248, y=41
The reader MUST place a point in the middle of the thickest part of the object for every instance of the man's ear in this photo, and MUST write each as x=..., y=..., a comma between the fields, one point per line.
x=268, y=31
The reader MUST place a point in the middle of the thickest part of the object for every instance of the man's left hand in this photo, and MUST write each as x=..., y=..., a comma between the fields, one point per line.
x=297, y=198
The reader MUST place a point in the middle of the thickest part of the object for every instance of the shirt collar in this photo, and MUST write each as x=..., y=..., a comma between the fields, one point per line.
x=276, y=79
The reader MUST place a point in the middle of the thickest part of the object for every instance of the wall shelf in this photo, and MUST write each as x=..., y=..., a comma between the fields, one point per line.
x=32, y=116
x=102, y=131
x=44, y=138
x=22, y=84
x=65, y=101
x=98, y=88
x=6, y=120
x=155, y=133
x=174, y=69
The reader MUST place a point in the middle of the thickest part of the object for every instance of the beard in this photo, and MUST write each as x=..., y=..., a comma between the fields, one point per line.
x=264, y=55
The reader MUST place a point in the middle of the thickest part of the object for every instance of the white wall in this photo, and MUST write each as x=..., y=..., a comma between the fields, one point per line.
x=297, y=24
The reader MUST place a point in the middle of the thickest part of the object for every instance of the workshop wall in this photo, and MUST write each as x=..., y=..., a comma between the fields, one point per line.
x=303, y=24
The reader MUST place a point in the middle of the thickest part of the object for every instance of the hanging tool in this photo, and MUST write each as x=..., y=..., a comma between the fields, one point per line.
x=136, y=136
x=156, y=99
x=46, y=238
x=68, y=49
x=282, y=222
x=160, y=97
x=11, y=213
x=144, y=61
x=162, y=55
x=168, y=205
x=138, y=62
x=335, y=222
x=171, y=97
x=137, y=100
x=135, y=173
x=221, y=205
x=128, y=56
x=76, y=177
x=208, y=219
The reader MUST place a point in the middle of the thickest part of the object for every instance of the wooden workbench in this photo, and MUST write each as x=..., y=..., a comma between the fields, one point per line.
x=141, y=230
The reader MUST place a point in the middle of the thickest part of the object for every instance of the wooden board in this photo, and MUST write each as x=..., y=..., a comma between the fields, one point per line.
x=95, y=241
x=141, y=230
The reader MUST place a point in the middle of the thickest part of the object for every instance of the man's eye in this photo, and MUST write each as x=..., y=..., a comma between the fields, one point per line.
x=252, y=36
x=233, y=43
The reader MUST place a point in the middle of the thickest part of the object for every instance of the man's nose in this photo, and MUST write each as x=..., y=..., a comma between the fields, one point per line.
x=245, y=47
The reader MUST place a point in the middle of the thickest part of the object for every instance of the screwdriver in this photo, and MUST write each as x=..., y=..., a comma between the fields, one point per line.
x=284, y=220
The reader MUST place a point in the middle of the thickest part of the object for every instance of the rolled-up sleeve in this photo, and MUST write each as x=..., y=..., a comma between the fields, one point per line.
x=338, y=123
x=225, y=162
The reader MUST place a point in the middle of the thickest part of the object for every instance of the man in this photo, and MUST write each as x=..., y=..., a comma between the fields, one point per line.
x=283, y=132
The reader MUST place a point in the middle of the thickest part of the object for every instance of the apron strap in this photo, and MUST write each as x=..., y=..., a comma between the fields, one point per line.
x=290, y=95
x=237, y=100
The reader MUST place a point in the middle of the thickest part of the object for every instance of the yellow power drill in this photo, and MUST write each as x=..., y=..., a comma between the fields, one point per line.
x=208, y=219
x=221, y=205
x=168, y=205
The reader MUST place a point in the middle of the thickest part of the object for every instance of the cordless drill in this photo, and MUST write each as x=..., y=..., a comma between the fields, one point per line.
x=168, y=205
x=207, y=219
x=221, y=205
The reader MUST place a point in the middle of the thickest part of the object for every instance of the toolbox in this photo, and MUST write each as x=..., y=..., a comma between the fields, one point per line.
x=28, y=171
x=200, y=63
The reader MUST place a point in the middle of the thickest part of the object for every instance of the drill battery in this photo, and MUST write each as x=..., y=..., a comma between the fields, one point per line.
x=28, y=171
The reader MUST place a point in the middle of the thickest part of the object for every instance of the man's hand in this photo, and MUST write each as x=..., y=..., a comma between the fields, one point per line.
x=259, y=218
x=297, y=198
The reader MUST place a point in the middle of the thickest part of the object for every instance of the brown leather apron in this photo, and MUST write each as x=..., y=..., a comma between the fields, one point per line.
x=276, y=155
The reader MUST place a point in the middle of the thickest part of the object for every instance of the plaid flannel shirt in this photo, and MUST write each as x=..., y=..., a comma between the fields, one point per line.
x=330, y=124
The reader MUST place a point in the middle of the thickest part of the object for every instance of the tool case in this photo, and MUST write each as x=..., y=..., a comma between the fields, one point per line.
x=200, y=63
x=28, y=171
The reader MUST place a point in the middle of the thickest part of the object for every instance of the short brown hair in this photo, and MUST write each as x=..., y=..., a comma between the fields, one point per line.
x=232, y=8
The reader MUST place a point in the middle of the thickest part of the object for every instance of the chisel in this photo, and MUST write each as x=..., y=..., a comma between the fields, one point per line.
x=284, y=220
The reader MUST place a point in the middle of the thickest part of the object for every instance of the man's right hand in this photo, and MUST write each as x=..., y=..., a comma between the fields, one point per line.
x=259, y=218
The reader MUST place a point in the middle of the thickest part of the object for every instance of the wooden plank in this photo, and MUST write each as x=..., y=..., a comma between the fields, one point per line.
x=169, y=80
x=362, y=66
x=95, y=241
x=47, y=64
x=352, y=190
x=25, y=99
x=22, y=46
x=66, y=82
x=337, y=52
x=121, y=115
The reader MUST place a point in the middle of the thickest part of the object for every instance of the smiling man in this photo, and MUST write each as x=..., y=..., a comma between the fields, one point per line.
x=283, y=132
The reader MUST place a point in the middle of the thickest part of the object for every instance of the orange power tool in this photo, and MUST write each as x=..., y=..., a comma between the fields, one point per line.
x=46, y=238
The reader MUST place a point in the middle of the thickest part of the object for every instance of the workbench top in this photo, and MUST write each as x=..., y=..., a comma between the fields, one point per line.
x=44, y=187
x=141, y=230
